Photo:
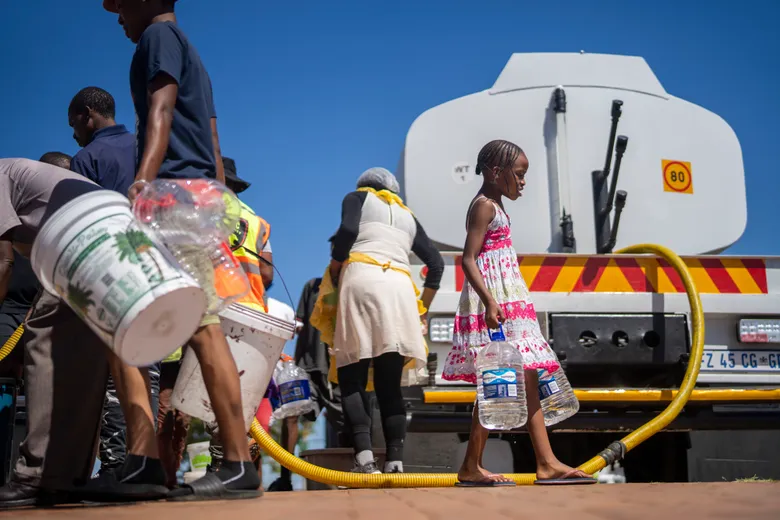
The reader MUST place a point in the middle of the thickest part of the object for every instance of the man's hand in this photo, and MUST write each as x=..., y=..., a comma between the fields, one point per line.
x=135, y=188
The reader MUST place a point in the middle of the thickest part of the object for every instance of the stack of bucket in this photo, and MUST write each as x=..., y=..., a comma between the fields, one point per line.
x=256, y=340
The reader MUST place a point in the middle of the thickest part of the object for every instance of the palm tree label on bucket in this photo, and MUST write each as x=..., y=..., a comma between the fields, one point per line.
x=107, y=268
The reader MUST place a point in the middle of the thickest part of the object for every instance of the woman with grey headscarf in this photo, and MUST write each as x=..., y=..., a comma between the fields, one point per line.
x=378, y=322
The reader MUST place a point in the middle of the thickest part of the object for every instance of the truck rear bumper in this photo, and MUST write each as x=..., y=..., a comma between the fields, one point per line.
x=613, y=410
x=618, y=396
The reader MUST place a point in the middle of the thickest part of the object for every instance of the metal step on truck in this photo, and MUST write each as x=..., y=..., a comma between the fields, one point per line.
x=615, y=160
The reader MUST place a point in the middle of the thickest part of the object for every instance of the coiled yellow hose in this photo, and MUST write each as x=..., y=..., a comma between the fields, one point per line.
x=659, y=422
x=614, y=452
x=11, y=342
x=408, y=480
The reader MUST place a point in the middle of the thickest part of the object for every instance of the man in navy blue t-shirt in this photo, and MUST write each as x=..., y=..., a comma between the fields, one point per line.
x=107, y=156
x=177, y=138
x=171, y=91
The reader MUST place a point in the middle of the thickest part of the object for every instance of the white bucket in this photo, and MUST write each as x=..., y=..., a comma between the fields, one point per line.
x=256, y=340
x=126, y=287
x=199, y=455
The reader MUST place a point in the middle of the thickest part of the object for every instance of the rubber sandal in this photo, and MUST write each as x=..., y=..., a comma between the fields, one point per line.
x=566, y=480
x=210, y=487
x=484, y=483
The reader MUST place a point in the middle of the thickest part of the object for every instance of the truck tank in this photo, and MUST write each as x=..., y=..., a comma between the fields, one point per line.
x=614, y=161
x=681, y=169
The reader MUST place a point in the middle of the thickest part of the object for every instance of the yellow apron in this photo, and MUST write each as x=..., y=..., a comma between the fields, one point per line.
x=323, y=317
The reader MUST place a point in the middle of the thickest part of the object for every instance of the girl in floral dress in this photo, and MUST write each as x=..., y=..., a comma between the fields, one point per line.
x=494, y=293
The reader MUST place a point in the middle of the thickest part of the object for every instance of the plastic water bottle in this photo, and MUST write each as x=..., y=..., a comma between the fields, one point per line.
x=556, y=396
x=294, y=392
x=501, y=385
x=201, y=207
x=230, y=281
x=193, y=218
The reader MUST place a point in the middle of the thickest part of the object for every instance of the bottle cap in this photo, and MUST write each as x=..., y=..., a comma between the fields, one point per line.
x=498, y=335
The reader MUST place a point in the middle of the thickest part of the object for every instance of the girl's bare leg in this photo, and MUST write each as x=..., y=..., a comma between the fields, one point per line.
x=547, y=465
x=472, y=470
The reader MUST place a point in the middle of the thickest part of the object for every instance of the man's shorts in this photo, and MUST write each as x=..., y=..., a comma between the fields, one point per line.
x=197, y=263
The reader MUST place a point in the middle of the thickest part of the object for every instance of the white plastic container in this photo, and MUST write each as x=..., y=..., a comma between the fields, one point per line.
x=126, y=288
x=256, y=340
x=295, y=391
x=556, y=397
x=501, y=385
x=199, y=455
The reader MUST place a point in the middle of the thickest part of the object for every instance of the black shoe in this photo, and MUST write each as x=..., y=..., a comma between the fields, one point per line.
x=138, y=479
x=15, y=494
x=280, y=484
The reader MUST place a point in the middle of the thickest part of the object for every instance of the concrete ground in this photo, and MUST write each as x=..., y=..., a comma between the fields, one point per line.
x=736, y=501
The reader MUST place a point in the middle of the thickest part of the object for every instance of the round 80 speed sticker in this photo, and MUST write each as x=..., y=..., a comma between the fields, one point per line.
x=677, y=176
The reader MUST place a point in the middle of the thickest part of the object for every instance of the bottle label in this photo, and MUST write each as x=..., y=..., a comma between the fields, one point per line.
x=293, y=391
x=499, y=383
x=548, y=387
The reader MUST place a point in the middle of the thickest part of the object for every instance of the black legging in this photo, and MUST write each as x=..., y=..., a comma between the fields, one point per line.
x=387, y=385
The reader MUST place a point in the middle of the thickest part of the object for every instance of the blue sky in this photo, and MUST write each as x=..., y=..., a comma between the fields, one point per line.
x=311, y=93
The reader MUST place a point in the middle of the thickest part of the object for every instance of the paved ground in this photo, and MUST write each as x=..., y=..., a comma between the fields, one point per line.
x=734, y=501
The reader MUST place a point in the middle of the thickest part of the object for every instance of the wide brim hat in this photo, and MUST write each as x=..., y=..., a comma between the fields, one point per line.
x=231, y=176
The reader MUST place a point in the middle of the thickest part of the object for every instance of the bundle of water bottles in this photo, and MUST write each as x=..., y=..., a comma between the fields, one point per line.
x=193, y=219
x=292, y=397
x=501, y=388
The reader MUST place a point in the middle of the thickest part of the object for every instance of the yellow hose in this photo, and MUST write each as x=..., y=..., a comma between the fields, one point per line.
x=11, y=342
x=647, y=430
x=615, y=451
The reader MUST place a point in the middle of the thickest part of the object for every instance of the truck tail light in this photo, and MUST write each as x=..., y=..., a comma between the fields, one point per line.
x=440, y=329
x=759, y=330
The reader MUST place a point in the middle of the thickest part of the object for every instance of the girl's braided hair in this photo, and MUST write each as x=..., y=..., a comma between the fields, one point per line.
x=498, y=153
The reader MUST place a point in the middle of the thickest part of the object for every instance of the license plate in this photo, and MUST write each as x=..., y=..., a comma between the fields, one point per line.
x=744, y=360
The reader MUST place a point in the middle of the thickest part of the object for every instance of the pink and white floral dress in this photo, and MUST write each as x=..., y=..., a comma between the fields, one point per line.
x=497, y=262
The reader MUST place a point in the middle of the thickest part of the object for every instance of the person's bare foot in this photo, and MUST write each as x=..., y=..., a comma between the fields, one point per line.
x=558, y=470
x=479, y=474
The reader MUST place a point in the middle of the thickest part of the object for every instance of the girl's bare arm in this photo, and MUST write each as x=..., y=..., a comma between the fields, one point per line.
x=482, y=213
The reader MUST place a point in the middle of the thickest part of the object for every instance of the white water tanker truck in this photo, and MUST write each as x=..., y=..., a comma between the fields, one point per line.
x=615, y=160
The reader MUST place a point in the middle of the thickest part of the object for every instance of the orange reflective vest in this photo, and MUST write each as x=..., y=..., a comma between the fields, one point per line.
x=247, y=243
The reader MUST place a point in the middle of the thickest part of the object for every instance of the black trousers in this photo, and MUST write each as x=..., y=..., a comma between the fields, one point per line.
x=353, y=378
